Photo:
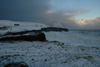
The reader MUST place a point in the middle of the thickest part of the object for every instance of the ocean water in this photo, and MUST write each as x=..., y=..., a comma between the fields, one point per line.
x=76, y=37
x=95, y=33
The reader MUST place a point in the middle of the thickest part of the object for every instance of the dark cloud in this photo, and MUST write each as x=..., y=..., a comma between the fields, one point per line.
x=23, y=10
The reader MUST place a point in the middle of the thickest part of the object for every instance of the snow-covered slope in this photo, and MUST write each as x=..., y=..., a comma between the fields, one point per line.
x=49, y=54
x=22, y=26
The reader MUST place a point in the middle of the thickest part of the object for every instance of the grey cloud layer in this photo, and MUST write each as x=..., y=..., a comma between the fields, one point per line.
x=23, y=10
x=39, y=11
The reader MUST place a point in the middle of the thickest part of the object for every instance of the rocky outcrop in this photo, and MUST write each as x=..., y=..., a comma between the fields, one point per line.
x=29, y=35
x=19, y=64
x=3, y=28
x=54, y=29
x=35, y=37
x=23, y=32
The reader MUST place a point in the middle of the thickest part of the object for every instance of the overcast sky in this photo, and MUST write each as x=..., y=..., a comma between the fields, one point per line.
x=73, y=14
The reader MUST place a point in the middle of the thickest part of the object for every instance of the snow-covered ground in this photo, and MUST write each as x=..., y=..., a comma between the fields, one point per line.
x=23, y=26
x=63, y=49
x=49, y=54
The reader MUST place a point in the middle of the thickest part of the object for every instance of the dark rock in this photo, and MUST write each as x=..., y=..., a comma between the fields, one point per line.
x=20, y=64
x=29, y=35
x=53, y=29
x=16, y=24
x=38, y=37
x=3, y=28
x=22, y=32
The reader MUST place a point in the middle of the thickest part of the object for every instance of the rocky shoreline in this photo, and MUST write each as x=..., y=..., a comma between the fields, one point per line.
x=32, y=35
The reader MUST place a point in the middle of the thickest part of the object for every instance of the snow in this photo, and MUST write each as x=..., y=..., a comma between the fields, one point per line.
x=49, y=54
x=63, y=49
x=23, y=26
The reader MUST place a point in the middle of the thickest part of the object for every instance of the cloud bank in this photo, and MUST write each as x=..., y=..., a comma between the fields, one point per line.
x=90, y=24
x=39, y=11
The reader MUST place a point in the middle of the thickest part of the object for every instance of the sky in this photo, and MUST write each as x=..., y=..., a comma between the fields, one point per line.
x=72, y=14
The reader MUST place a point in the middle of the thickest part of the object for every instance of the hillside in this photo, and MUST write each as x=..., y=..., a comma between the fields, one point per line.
x=12, y=26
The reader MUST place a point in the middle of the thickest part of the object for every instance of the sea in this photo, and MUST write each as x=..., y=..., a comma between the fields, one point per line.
x=76, y=37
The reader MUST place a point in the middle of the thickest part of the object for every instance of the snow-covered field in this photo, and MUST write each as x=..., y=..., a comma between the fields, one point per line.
x=63, y=49
x=49, y=54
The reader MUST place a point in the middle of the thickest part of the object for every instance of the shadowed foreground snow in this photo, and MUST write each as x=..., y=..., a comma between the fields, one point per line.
x=49, y=54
